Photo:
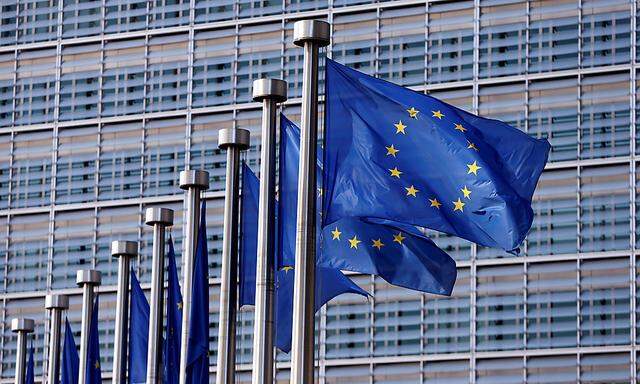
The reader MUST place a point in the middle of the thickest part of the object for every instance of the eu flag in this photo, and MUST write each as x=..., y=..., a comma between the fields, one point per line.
x=93, y=374
x=248, y=236
x=70, y=359
x=30, y=375
x=138, y=333
x=395, y=154
x=198, y=347
x=398, y=253
x=171, y=358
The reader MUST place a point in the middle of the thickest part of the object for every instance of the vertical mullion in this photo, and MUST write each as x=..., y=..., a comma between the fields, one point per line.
x=632, y=189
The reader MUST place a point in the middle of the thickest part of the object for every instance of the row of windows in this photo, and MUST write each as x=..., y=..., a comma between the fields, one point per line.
x=563, y=304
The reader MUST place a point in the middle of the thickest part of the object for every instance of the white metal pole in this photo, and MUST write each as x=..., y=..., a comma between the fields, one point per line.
x=88, y=279
x=55, y=304
x=22, y=327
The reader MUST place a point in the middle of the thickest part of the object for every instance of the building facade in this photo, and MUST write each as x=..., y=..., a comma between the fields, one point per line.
x=104, y=102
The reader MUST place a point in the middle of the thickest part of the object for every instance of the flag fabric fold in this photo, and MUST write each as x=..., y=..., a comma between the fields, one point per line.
x=70, y=359
x=395, y=154
x=198, y=344
x=138, y=333
x=171, y=358
x=248, y=236
x=93, y=375
x=30, y=374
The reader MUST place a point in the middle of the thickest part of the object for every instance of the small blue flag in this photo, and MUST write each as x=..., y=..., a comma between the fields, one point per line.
x=138, y=333
x=30, y=374
x=248, y=236
x=399, y=155
x=198, y=347
x=171, y=358
x=93, y=375
x=70, y=358
x=329, y=282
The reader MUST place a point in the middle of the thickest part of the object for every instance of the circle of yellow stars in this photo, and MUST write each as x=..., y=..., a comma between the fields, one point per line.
x=412, y=190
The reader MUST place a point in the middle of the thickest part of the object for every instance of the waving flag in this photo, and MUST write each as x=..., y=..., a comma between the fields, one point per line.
x=138, y=333
x=395, y=154
x=171, y=358
x=248, y=236
x=70, y=359
x=93, y=374
x=30, y=375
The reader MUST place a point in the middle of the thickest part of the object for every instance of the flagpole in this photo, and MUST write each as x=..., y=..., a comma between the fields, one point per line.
x=123, y=251
x=234, y=141
x=55, y=304
x=269, y=92
x=88, y=279
x=193, y=182
x=22, y=326
x=159, y=219
x=311, y=35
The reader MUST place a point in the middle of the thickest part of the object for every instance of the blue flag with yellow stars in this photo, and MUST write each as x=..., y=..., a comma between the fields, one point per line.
x=93, y=374
x=138, y=333
x=70, y=359
x=396, y=154
x=30, y=374
x=248, y=236
x=198, y=344
x=171, y=358
x=329, y=282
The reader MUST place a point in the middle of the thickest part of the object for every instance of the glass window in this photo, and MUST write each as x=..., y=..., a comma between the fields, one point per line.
x=505, y=370
x=305, y=5
x=259, y=55
x=7, y=71
x=354, y=40
x=5, y=170
x=81, y=18
x=293, y=62
x=254, y=8
x=72, y=246
x=125, y=15
x=552, y=369
x=28, y=253
x=606, y=33
x=164, y=156
x=611, y=368
x=215, y=212
x=448, y=319
x=604, y=302
x=450, y=42
x=8, y=24
x=505, y=102
x=213, y=67
x=401, y=56
x=397, y=373
x=37, y=20
x=551, y=305
x=76, y=164
x=31, y=169
x=553, y=35
x=119, y=175
x=168, y=13
x=354, y=374
x=117, y=223
x=449, y=372
x=35, y=87
x=213, y=10
x=204, y=146
x=123, y=77
x=167, y=73
x=4, y=238
x=79, y=86
x=244, y=337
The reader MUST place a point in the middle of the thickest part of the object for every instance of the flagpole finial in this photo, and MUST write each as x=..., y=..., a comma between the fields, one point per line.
x=160, y=216
x=88, y=277
x=315, y=31
x=124, y=248
x=56, y=301
x=22, y=324
x=191, y=178
x=270, y=89
x=233, y=137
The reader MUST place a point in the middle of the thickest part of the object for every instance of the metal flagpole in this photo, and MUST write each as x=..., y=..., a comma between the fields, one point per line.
x=124, y=251
x=22, y=327
x=88, y=279
x=309, y=34
x=234, y=141
x=55, y=304
x=270, y=92
x=159, y=218
x=193, y=181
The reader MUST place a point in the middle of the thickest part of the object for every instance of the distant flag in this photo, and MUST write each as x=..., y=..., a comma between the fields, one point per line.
x=30, y=375
x=248, y=236
x=397, y=252
x=138, y=333
x=198, y=347
x=392, y=153
x=70, y=359
x=93, y=374
x=171, y=358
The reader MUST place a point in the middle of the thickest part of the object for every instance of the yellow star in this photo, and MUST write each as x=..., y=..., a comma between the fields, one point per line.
x=353, y=243
x=437, y=114
x=378, y=244
x=319, y=191
x=466, y=192
x=472, y=146
x=400, y=127
x=460, y=128
x=335, y=234
x=395, y=172
x=287, y=268
x=435, y=203
x=398, y=238
x=458, y=205
x=179, y=305
x=413, y=113
x=391, y=150
x=411, y=191
x=97, y=364
x=473, y=168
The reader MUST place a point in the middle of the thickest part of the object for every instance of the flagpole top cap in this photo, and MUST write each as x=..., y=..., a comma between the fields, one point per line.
x=88, y=277
x=159, y=216
x=22, y=324
x=194, y=178
x=311, y=31
x=124, y=248
x=233, y=137
x=270, y=89
x=56, y=301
